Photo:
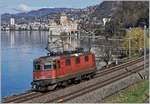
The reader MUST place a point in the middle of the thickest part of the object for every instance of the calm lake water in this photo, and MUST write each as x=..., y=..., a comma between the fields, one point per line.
x=18, y=49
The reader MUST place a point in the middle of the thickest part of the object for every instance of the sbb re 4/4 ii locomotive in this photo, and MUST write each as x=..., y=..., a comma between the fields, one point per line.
x=55, y=70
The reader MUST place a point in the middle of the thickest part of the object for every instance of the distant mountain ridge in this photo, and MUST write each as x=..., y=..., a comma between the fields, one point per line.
x=128, y=13
x=36, y=13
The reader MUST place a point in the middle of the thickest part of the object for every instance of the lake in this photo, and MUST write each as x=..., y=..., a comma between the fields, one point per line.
x=18, y=49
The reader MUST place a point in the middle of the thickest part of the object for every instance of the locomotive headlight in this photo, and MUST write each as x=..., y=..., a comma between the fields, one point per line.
x=76, y=54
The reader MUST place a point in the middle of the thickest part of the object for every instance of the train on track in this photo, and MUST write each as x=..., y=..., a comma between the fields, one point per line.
x=60, y=69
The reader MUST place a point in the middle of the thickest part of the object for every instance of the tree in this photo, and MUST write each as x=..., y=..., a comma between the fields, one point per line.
x=131, y=13
x=107, y=56
x=113, y=29
x=136, y=37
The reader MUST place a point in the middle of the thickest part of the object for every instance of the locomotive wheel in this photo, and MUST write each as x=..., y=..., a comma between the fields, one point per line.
x=92, y=76
x=41, y=89
x=88, y=77
x=52, y=87
x=64, y=84
x=77, y=80
x=69, y=81
x=84, y=77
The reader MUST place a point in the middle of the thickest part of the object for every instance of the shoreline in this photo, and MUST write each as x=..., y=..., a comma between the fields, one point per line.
x=17, y=94
x=25, y=30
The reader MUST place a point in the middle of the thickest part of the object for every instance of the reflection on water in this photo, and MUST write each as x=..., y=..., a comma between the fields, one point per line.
x=12, y=39
x=18, y=51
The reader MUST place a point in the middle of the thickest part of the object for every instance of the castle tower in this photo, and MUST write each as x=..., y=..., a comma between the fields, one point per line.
x=63, y=19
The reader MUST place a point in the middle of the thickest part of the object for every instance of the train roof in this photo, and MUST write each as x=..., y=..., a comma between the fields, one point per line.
x=44, y=59
x=48, y=58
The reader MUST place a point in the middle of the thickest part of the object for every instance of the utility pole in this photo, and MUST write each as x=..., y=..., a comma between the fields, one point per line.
x=129, y=47
x=145, y=47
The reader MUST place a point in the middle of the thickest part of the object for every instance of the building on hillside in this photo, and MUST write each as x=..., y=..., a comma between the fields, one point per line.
x=70, y=27
x=106, y=20
x=64, y=25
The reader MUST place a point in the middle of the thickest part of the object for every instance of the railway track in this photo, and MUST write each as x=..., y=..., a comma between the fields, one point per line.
x=22, y=97
x=93, y=87
x=32, y=95
x=119, y=67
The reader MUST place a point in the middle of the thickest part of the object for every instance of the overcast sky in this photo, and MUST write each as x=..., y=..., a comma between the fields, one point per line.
x=15, y=6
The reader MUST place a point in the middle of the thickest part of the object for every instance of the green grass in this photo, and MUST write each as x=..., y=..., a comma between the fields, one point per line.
x=136, y=93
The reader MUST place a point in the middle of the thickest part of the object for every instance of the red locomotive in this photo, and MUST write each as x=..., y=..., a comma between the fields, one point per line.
x=54, y=70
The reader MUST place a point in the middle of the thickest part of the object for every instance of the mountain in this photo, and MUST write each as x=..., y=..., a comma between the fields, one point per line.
x=127, y=13
x=32, y=15
x=132, y=13
x=105, y=9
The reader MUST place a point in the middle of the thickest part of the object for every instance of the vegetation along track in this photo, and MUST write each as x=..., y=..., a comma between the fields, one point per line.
x=31, y=95
x=95, y=86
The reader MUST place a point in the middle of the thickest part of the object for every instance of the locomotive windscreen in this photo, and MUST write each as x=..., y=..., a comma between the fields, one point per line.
x=37, y=67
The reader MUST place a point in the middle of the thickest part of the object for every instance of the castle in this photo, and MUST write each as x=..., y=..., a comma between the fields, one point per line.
x=70, y=27
x=64, y=25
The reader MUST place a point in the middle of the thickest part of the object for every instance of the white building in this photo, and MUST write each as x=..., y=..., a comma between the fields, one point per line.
x=105, y=20
x=12, y=21
x=64, y=25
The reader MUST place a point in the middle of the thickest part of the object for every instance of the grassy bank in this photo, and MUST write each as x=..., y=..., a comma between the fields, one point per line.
x=136, y=93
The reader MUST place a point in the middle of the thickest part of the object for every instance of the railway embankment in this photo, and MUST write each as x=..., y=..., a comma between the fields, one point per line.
x=136, y=93
x=98, y=95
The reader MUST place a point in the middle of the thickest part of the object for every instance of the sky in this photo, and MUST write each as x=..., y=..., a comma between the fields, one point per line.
x=16, y=6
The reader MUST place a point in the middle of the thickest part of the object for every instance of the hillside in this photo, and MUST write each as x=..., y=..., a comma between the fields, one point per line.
x=128, y=13
x=105, y=9
x=132, y=13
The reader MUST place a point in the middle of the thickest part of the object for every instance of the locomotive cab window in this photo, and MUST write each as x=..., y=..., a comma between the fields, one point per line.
x=37, y=67
x=86, y=58
x=77, y=59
